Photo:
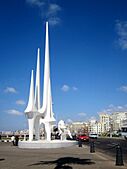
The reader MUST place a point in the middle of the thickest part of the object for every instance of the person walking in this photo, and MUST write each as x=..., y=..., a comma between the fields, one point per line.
x=16, y=140
x=13, y=140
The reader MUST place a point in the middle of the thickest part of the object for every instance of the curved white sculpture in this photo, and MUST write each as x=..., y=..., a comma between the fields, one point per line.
x=34, y=112
x=42, y=115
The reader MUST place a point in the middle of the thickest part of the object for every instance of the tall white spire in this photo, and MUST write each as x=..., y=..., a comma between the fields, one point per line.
x=31, y=106
x=46, y=73
x=46, y=68
x=49, y=114
x=35, y=113
x=37, y=86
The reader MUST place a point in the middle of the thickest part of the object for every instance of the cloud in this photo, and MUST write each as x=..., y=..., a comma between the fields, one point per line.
x=14, y=112
x=53, y=9
x=54, y=21
x=20, y=102
x=121, y=28
x=117, y=108
x=123, y=88
x=49, y=11
x=74, y=88
x=82, y=114
x=65, y=88
x=111, y=105
x=92, y=118
x=10, y=90
x=69, y=121
x=39, y=3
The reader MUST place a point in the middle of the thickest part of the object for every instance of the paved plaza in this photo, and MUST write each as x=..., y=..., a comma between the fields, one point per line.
x=74, y=157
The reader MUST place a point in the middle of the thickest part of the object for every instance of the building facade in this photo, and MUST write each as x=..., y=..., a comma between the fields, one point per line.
x=118, y=119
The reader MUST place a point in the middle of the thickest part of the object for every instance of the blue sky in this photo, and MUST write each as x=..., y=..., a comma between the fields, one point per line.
x=88, y=50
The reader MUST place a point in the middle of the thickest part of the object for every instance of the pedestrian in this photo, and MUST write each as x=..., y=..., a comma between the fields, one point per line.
x=13, y=140
x=16, y=140
x=80, y=143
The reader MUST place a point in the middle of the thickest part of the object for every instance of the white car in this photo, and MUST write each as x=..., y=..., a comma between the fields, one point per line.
x=124, y=132
x=93, y=135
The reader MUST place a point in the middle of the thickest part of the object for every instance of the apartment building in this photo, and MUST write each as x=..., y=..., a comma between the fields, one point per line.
x=118, y=119
x=78, y=127
x=104, y=122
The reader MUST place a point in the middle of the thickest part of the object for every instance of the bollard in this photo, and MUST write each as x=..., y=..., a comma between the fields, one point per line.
x=92, y=147
x=80, y=143
x=119, y=155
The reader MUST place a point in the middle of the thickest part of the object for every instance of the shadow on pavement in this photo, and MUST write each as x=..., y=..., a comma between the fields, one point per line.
x=61, y=162
x=2, y=159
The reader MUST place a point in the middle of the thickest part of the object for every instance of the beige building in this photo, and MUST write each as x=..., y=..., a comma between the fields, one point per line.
x=105, y=122
x=118, y=119
x=99, y=128
x=102, y=126
x=78, y=127
x=93, y=126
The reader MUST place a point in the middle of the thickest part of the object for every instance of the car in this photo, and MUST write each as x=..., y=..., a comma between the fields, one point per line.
x=124, y=132
x=83, y=137
x=93, y=135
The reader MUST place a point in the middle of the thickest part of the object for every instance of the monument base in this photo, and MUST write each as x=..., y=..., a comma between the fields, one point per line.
x=46, y=144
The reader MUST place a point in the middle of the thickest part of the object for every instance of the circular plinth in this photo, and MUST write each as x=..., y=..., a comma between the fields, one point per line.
x=46, y=144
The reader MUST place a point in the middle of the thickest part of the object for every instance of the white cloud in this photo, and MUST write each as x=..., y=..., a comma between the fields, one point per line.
x=121, y=28
x=111, y=105
x=69, y=121
x=53, y=9
x=20, y=102
x=74, y=88
x=54, y=21
x=49, y=11
x=39, y=3
x=10, y=90
x=81, y=114
x=118, y=108
x=93, y=118
x=65, y=88
x=14, y=112
x=123, y=88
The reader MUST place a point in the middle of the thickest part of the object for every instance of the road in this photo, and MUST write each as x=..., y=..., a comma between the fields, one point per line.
x=75, y=157
x=108, y=146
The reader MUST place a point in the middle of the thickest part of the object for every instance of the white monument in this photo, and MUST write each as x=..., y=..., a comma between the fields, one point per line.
x=63, y=130
x=37, y=114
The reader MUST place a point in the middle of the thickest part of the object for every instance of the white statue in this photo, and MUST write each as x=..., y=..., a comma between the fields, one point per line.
x=63, y=131
x=36, y=113
x=41, y=116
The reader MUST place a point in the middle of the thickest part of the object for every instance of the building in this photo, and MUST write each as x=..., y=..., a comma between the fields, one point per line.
x=78, y=127
x=93, y=127
x=118, y=119
x=99, y=128
x=104, y=122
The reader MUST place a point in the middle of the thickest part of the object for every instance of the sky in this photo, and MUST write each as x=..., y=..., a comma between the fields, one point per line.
x=88, y=53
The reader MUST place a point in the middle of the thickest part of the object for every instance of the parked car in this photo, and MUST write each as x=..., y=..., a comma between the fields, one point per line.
x=93, y=135
x=83, y=137
x=124, y=132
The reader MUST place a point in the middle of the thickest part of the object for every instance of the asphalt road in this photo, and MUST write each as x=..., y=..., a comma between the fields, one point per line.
x=108, y=146
x=74, y=157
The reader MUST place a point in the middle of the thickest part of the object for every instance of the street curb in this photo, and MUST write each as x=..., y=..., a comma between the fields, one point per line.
x=6, y=141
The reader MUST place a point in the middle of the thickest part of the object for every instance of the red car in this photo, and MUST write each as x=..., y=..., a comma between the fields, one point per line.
x=83, y=137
